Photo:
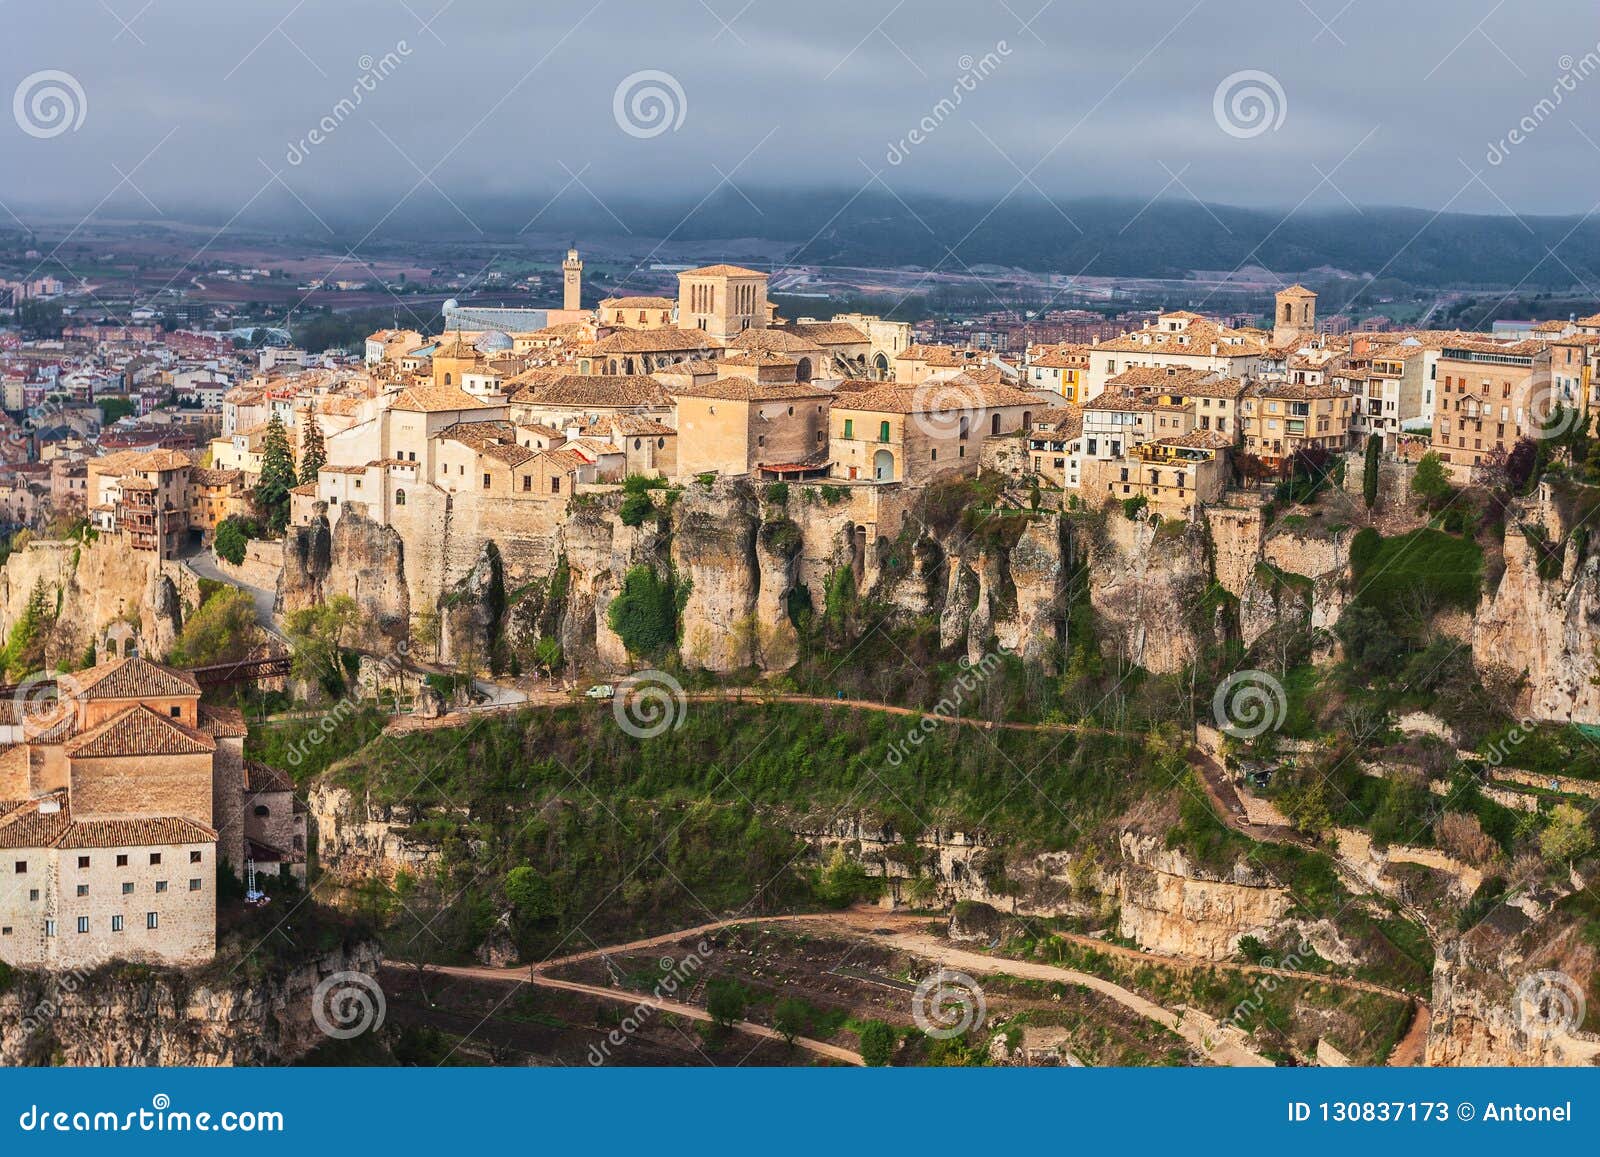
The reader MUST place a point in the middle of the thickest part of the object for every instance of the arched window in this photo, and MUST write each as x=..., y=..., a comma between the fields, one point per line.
x=399, y=497
x=994, y=424
x=637, y=443
x=447, y=379
x=263, y=810
x=804, y=370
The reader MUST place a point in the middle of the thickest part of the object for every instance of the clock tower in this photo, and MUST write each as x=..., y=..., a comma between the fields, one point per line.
x=572, y=281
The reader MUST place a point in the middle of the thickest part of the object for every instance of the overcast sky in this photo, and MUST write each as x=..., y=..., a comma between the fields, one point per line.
x=1396, y=102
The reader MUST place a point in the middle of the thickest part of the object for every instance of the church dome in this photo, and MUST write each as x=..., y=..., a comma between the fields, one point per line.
x=493, y=342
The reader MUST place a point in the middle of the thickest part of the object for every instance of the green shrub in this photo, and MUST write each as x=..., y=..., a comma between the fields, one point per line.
x=645, y=612
x=1133, y=507
x=636, y=509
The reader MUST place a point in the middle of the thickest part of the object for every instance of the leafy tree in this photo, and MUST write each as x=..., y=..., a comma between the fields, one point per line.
x=789, y=1017
x=1567, y=837
x=232, y=539
x=1431, y=482
x=223, y=629
x=316, y=636
x=1521, y=463
x=24, y=651
x=725, y=1001
x=1370, y=643
x=277, y=475
x=1372, y=468
x=645, y=612
x=313, y=451
x=530, y=894
x=877, y=1043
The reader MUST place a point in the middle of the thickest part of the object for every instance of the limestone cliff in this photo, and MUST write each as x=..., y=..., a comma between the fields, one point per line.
x=359, y=558
x=92, y=585
x=125, y=1016
x=1145, y=583
x=1548, y=627
x=714, y=553
x=1170, y=904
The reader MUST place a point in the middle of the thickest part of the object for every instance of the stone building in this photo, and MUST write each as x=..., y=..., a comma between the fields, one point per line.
x=120, y=798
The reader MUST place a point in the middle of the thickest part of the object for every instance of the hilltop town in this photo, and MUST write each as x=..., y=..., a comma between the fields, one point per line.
x=527, y=509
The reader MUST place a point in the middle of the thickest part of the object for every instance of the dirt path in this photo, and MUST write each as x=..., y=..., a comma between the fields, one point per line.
x=1413, y=1047
x=635, y=999
x=547, y=699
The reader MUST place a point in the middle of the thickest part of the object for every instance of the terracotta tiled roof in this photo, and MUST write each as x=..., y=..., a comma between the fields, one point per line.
x=259, y=777
x=739, y=389
x=667, y=339
x=639, y=302
x=222, y=722
x=135, y=678
x=1062, y=421
x=436, y=399
x=150, y=831
x=596, y=390
x=772, y=341
x=1202, y=439
x=139, y=731
x=828, y=332
x=722, y=271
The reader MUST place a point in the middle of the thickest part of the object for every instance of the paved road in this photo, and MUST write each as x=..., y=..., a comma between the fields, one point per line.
x=204, y=564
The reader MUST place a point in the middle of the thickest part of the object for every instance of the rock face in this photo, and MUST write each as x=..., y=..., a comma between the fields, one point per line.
x=1476, y=1019
x=714, y=551
x=136, y=1017
x=470, y=616
x=1145, y=584
x=1549, y=627
x=358, y=558
x=357, y=840
x=1172, y=905
x=92, y=586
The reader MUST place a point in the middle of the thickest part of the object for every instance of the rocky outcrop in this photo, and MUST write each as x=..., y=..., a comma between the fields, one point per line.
x=92, y=585
x=359, y=558
x=1548, y=628
x=471, y=615
x=714, y=554
x=357, y=840
x=1170, y=904
x=126, y=1016
x=1145, y=584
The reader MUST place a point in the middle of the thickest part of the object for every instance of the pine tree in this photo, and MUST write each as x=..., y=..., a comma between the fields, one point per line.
x=313, y=453
x=277, y=475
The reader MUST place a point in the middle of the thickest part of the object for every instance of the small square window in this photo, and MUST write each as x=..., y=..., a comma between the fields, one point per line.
x=175, y=712
x=127, y=887
x=152, y=920
x=122, y=861
x=194, y=885
x=155, y=858
x=194, y=857
x=33, y=894
x=83, y=889
x=116, y=923
x=22, y=867
x=83, y=861
x=161, y=885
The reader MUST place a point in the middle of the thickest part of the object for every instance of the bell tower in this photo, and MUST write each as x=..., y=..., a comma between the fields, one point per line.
x=1296, y=317
x=572, y=281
